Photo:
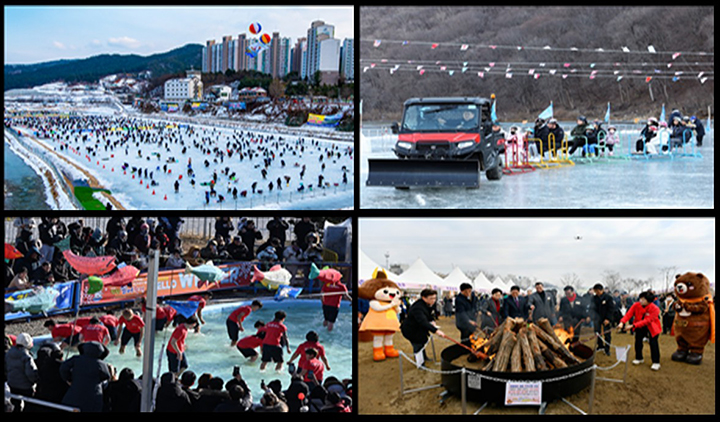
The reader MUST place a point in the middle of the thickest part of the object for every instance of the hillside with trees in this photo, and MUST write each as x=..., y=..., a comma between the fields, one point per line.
x=91, y=69
x=524, y=96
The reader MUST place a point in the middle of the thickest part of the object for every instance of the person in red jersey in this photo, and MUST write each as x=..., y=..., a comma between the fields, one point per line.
x=131, y=327
x=275, y=339
x=235, y=319
x=110, y=321
x=331, y=298
x=177, y=359
x=68, y=334
x=247, y=345
x=95, y=331
x=312, y=341
x=202, y=299
x=312, y=369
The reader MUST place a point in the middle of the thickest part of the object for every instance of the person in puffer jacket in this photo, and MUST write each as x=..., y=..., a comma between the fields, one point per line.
x=86, y=374
x=22, y=374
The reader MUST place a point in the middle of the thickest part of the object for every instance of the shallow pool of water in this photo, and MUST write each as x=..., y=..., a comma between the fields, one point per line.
x=209, y=351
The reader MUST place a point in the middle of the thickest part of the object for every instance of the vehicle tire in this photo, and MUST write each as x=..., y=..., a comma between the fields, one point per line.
x=495, y=172
x=402, y=187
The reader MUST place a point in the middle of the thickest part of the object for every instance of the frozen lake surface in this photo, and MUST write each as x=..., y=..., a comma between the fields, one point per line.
x=656, y=183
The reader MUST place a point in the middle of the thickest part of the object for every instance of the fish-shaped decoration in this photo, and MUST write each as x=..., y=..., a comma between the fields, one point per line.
x=326, y=275
x=273, y=278
x=36, y=302
x=207, y=273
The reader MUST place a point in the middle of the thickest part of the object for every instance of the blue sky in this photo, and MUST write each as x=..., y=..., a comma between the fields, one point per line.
x=545, y=248
x=42, y=33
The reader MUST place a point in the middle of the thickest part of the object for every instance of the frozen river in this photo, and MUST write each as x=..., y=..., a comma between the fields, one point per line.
x=656, y=183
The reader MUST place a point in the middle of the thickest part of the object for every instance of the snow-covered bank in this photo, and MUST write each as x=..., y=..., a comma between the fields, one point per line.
x=56, y=195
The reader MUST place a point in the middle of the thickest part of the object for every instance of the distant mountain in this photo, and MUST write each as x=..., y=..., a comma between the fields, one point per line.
x=93, y=68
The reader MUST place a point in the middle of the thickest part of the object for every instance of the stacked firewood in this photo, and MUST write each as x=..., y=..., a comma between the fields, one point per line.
x=519, y=346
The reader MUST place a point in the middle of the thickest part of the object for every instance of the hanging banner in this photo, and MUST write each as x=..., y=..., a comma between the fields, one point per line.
x=171, y=282
x=325, y=121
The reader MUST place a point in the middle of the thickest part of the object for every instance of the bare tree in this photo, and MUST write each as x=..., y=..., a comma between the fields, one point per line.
x=667, y=275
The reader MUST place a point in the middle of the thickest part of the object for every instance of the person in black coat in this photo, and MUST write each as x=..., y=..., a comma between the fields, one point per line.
x=466, y=312
x=86, y=374
x=124, y=395
x=212, y=396
x=278, y=229
x=419, y=324
x=572, y=311
x=514, y=305
x=492, y=311
x=50, y=387
x=601, y=312
x=170, y=396
x=249, y=234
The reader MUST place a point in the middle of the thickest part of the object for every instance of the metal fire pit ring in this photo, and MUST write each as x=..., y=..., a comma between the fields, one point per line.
x=561, y=382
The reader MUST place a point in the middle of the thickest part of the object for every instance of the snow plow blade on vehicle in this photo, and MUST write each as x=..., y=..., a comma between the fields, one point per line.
x=426, y=173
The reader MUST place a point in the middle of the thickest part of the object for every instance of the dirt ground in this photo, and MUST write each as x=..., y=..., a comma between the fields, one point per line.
x=678, y=388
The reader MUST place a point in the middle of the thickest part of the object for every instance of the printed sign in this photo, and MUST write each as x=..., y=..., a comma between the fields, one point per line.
x=523, y=394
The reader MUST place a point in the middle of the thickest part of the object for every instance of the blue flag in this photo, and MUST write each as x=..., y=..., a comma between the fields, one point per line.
x=493, y=114
x=547, y=113
x=287, y=292
x=662, y=114
x=186, y=308
x=607, y=114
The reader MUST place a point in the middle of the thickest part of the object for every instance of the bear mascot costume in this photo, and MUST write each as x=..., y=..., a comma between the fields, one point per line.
x=381, y=320
x=694, y=323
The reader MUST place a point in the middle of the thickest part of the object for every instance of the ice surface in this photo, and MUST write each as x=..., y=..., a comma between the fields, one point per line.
x=656, y=183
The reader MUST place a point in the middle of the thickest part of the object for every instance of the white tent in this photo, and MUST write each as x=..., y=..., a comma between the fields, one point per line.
x=367, y=266
x=419, y=276
x=500, y=284
x=482, y=284
x=455, y=279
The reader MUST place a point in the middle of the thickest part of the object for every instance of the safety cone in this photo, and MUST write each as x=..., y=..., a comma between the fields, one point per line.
x=103, y=166
x=147, y=186
x=165, y=198
x=141, y=181
x=112, y=170
x=133, y=176
x=153, y=192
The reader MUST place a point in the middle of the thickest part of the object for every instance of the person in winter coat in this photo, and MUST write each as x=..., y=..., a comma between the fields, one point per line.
x=578, y=136
x=611, y=140
x=124, y=395
x=602, y=308
x=22, y=374
x=170, y=396
x=646, y=323
x=572, y=311
x=699, y=130
x=419, y=323
x=466, y=312
x=50, y=387
x=492, y=311
x=514, y=305
x=541, y=304
x=86, y=374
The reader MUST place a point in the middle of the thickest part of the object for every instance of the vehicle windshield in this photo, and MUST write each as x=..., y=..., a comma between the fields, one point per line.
x=441, y=118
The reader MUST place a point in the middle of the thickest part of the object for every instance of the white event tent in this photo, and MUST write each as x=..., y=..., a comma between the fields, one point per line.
x=455, y=279
x=482, y=284
x=419, y=276
x=366, y=267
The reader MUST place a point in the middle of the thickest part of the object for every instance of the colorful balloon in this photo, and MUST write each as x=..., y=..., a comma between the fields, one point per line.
x=265, y=39
x=255, y=28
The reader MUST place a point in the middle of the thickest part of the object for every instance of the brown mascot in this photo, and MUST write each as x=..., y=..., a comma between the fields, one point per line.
x=694, y=323
x=381, y=320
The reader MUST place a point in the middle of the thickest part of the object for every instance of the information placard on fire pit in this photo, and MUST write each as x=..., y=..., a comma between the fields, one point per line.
x=523, y=393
